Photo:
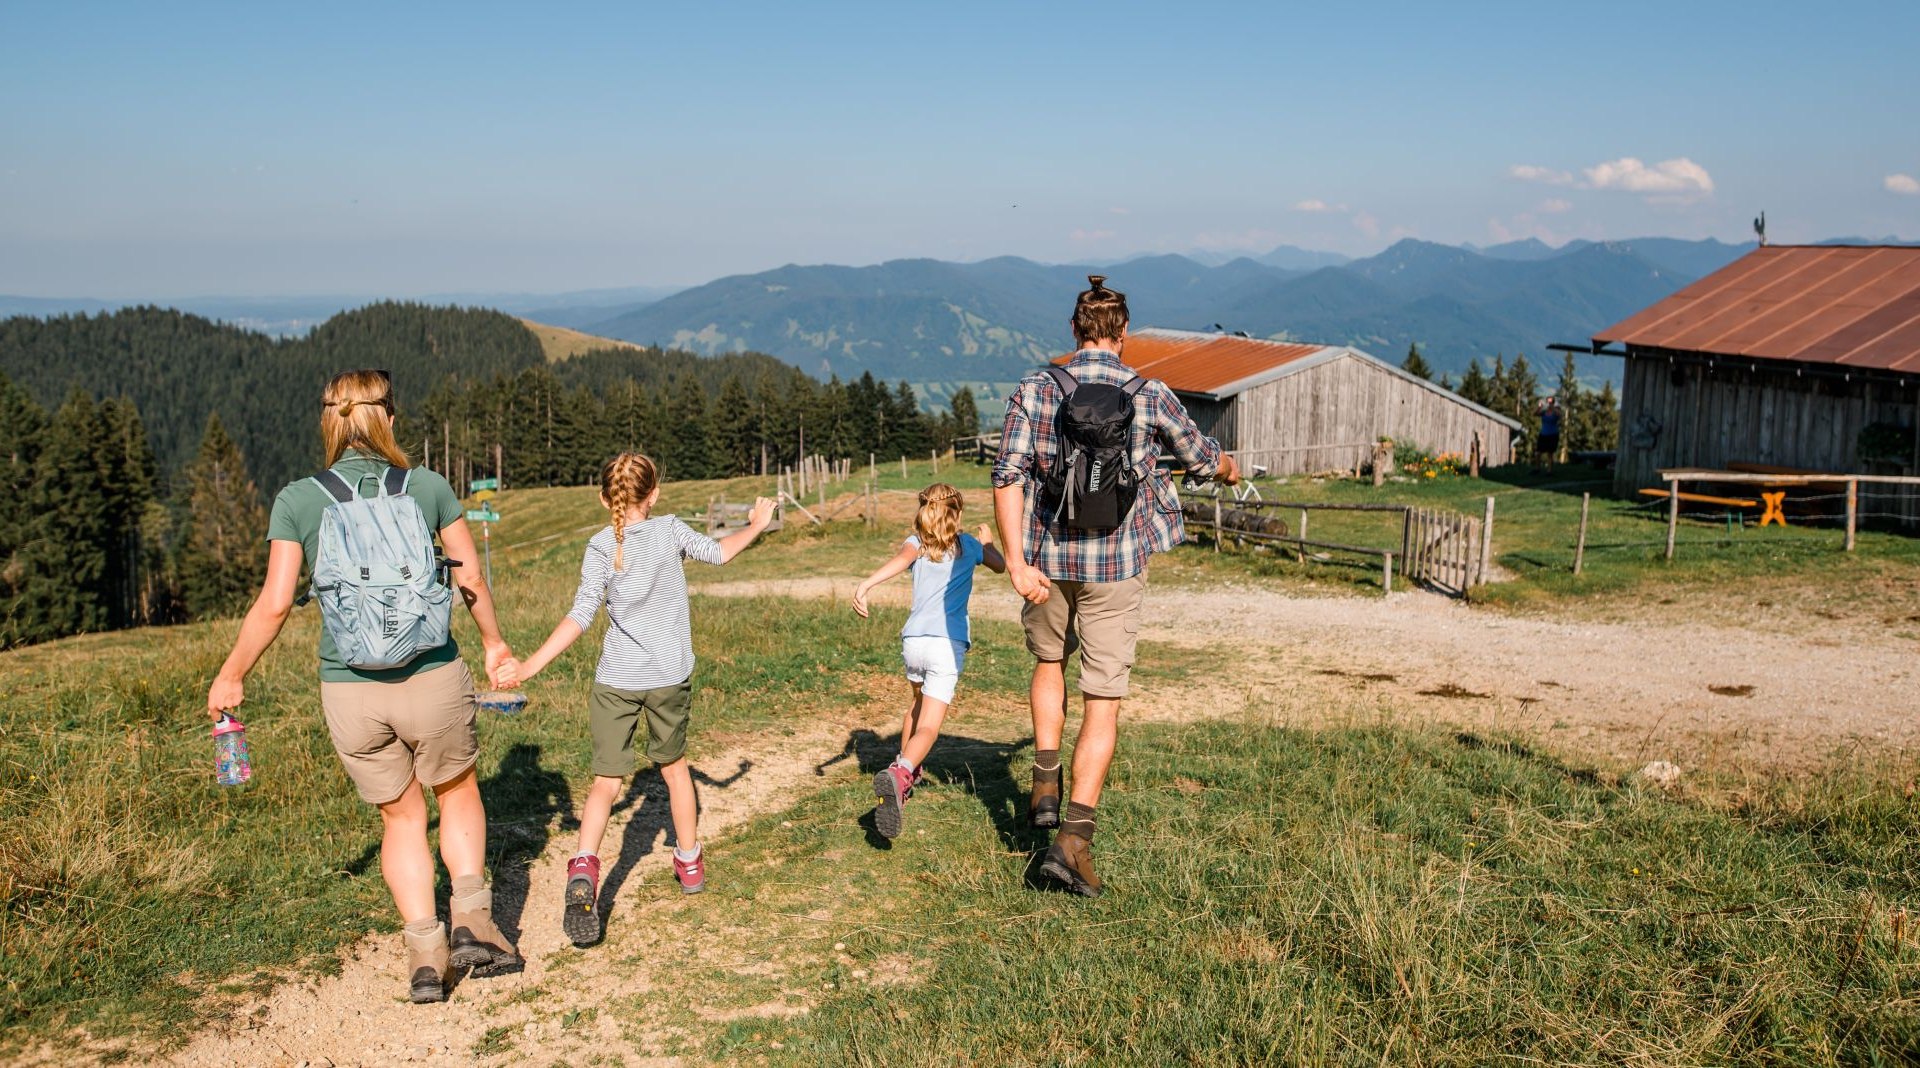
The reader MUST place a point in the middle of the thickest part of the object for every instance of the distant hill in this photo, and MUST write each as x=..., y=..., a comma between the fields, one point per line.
x=560, y=343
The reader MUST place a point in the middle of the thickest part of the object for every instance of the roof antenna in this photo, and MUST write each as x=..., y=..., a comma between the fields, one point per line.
x=1760, y=228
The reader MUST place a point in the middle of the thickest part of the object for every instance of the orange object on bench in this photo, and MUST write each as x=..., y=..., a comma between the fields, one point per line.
x=1702, y=498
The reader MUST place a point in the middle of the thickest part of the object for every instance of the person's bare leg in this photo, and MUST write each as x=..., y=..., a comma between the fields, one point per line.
x=596, y=811
x=683, y=803
x=406, y=862
x=1093, y=750
x=463, y=825
x=910, y=723
x=1047, y=694
x=928, y=715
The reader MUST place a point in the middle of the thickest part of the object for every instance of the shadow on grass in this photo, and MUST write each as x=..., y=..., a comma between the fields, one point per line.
x=522, y=800
x=979, y=767
x=651, y=823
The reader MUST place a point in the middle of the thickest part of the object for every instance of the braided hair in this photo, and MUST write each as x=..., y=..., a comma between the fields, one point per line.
x=626, y=481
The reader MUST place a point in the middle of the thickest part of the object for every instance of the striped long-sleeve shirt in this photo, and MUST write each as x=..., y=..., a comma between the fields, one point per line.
x=1030, y=446
x=649, y=642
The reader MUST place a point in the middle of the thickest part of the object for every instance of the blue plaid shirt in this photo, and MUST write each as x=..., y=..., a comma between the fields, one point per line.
x=1029, y=446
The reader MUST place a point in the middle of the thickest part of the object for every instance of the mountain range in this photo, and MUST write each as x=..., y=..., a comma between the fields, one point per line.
x=935, y=322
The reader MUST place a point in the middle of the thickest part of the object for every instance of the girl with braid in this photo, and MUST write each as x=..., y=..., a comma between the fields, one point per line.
x=632, y=568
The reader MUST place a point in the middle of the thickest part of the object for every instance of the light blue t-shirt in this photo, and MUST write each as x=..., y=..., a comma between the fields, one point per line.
x=941, y=589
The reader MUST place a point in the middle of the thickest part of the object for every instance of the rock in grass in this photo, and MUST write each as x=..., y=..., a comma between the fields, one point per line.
x=1659, y=773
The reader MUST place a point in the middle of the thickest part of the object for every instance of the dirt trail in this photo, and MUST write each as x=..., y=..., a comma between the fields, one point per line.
x=361, y=1016
x=1690, y=694
x=1693, y=694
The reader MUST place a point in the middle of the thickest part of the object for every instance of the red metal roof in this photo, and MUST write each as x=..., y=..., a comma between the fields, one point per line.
x=1850, y=305
x=1206, y=363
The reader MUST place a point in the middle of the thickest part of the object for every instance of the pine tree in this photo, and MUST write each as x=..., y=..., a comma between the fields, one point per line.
x=688, y=455
x=224, y=553
x=910, y=432
x=966, y=413
x=736, y=435
x=1416, y=364
x=1474, y=386
x=23, y=425
x=64, y=587
x=130, y=474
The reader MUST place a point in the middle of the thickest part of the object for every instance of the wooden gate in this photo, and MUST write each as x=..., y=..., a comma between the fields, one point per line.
x=1442, y=550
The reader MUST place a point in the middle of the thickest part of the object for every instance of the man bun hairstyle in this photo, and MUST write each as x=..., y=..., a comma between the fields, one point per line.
x=1099, y=312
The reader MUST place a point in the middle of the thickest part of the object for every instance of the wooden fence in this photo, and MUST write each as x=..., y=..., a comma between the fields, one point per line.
x=1442, y=550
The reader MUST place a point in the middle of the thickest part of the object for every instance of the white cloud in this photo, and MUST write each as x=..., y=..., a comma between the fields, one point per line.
x=1318, y=206
x=1904, y=184
x=1554, y=206
x=1673, y=177
x=1527, y=172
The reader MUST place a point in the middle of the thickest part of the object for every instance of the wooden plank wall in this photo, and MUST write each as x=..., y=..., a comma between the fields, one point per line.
x=1327, y=417
x=1713, y=416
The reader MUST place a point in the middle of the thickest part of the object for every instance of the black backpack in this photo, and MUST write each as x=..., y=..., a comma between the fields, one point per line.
x=1093, y=485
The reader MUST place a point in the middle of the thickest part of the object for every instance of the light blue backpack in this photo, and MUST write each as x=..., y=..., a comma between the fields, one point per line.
x=375, y=576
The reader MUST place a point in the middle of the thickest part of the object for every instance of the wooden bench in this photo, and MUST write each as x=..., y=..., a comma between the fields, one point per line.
x=1704, y=498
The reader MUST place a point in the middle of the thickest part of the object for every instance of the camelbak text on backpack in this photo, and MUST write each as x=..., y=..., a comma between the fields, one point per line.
x=1093, y=484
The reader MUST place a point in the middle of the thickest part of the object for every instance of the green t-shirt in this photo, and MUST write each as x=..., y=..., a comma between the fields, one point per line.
x=296, y=517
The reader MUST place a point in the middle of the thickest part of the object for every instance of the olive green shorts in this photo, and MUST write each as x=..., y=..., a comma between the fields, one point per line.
x=615, y=716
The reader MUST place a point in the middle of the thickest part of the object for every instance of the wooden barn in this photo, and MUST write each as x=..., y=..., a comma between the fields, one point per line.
x=1791, y=358
x=1298, y=408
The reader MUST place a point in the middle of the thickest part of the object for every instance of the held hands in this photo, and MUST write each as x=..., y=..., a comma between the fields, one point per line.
x=1028, y=581
x=503, y=671
x=984, y=532
x=761, y=515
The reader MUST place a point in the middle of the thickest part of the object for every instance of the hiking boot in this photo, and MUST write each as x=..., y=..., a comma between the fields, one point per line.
x=691, y=873
x=893, y=785
x=478, y=945
x=1069, y=862
x=582, y=920
x=427, y=965
x=1043, y=806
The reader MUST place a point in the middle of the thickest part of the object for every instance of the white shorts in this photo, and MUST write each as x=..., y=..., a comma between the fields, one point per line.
x=934, y=664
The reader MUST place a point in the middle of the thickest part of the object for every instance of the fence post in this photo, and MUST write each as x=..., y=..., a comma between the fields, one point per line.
x=1473, y=457
x=1302, y=547
x=1216, y=523
x=1580, y=547
x=1486, y=541
x=1673, y=512
x=1386, y=573
x=1853, y=509
x=1406, y=536
x=871, y=474
x=903, y=467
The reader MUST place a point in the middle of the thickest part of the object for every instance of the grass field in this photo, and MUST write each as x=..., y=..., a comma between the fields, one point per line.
x=1364, y=894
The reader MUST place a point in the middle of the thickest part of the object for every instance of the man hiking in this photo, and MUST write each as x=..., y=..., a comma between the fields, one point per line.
x=1081, y=505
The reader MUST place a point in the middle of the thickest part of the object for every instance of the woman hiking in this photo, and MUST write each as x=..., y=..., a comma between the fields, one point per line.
x=398, y=699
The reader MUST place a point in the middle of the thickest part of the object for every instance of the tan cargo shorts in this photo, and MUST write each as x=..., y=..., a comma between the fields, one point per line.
x=390, y=733
x=1105, y=616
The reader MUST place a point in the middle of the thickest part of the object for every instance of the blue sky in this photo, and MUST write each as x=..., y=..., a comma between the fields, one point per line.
x=158, y=151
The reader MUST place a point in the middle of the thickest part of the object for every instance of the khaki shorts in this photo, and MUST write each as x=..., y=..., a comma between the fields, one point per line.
x=389, y=734
x=615, y=717
x=1105, y=616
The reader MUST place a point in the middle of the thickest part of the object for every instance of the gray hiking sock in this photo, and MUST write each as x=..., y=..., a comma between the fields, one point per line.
x=423, y=928
x=685, y=857
x=1078, y=819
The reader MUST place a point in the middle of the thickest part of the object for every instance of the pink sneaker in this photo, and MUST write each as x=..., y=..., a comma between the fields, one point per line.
x=691, y=873
x=893, y=785
x=582, y=920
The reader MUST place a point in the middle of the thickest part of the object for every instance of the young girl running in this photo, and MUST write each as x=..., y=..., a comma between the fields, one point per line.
x=632, y=567
x=934, y=642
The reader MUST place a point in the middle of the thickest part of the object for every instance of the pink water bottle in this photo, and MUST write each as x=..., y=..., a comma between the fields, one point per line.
x=231, y=764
